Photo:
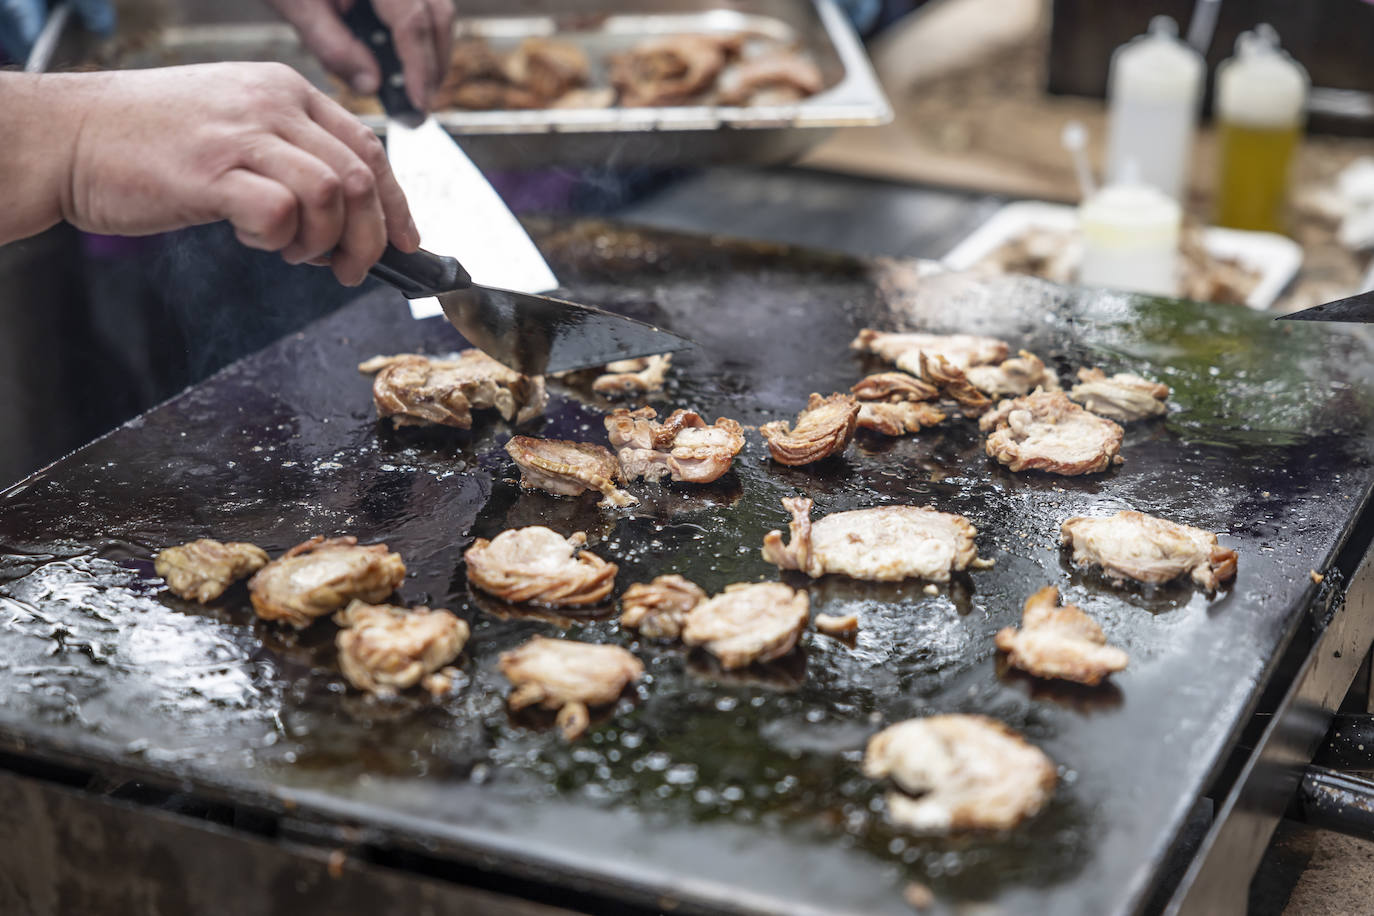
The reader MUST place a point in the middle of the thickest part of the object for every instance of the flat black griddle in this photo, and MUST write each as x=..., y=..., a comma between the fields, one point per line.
x=735, y=792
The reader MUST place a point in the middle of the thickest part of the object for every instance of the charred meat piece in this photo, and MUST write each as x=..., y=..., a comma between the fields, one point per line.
x=546, y=67
x=1132, y=545
x=823, y=428
x=1046, y=431
x=633, y=377
x=682, y=446
x=541, y=566
x=384, y=649
x=415, y=390
x=958, y=772
x=1059, y=641
x=886, y=544
x=569, y=677
x=961, y=350
x=952, y=382
x=1014, y=377
x=659, y=609
x=1122, y=397
x=838, y=627
x=894, y=386
x=899, y=418
x=748, y=623
x=776, y=78
x=566, y=468
x=202, y=569
x=671, y=70
x=320, y=576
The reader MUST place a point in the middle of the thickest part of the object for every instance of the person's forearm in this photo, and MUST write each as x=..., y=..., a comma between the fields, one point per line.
x=40, y=119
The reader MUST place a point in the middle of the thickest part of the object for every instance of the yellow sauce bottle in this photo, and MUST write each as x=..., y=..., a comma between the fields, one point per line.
x=1261, y=107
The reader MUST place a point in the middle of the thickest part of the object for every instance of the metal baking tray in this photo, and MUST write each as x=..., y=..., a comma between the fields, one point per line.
x=677, y=135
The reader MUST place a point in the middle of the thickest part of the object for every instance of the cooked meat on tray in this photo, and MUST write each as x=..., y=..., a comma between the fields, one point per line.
x=823, y=428
x=1122, y=397
x=895, y=403
x=885, y=544
x=962, y=350
x=748, y=623
x=1132, y=545
x=840, y=627
x=628, y=378
x=682, y=446
x=569, y=677
x=384, y=649
x=566, y=468
x=1046, y=431
x=547, y=67
x=671, y=70
x=539, y=565
x=958, y=772
x=1014, y=377
x=659, y=608
x=415, y=390
x=779, y=77
x=202, y=569
x=954, y=384
x=1059, y=641
x=321, y=576
x=537, y=74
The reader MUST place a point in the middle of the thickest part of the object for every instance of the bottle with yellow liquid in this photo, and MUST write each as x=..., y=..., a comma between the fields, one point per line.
x=1261, y=107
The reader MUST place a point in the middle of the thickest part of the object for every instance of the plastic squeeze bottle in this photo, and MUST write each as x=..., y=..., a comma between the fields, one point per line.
x=1154, y=90
x=1261, y=107
x=1130, y=236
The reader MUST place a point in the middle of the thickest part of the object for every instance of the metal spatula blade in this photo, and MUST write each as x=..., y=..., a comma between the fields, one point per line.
x=1358, y=308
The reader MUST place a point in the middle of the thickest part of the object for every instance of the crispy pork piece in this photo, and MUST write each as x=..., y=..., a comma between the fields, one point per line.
x=202, y=569
x=776, y=78
x=682, y=446
x=569, y=677
x=566, y=468
x=632, y=377
x=961, y=350
x=893, y=386
x=384, y=649
x=415, y=390
x=1122, y=397
x=823, y=428
x=886, y=544
x=546, y=67
x=1046, y=431
x=538, y=565
x=320, y=576
x=1059, y=641
x=1014, y=377
x=952, y=382
x=899, y=418
x=659, y=609
x=670, y=70
x=958, y=772
x=838, y=627
x=748, y=623
x=1132, y=545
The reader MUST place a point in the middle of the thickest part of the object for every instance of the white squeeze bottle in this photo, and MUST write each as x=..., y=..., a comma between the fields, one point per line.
x=1154, y=90
x=1130, y=236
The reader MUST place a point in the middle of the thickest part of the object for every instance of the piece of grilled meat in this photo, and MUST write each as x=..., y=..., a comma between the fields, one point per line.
x=682, y=446
x=1059, y=641
x=384, y=649
x=540, y=566
x=321, y=576
x=1046, y=431
x=659, y=608
x=1132, y=545
x=415, y=390
x=566, y=468
x=961, y=350
x=1122, y=397
x=748, y=623
x=202, y=569
x=823, y=428
x=569, y=677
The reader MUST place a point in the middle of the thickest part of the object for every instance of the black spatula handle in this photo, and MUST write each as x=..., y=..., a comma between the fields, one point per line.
x=420, y=274
x=363, y=21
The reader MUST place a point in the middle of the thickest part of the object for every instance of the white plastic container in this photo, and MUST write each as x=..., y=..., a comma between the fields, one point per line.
x=1154, y=91
x=1130, y=234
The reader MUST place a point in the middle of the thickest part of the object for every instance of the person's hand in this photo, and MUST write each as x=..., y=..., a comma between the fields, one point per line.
x=251, y=143
x=421, y=29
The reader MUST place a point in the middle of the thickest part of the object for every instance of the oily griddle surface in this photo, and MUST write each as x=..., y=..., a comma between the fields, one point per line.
x=723, y=790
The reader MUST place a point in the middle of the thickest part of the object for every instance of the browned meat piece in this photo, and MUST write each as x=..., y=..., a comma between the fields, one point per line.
x=383, y=648
x=1122, y=397
x=491, y=95
x=1046, y=431
x=541, y=566
x=477, y=80
x=659, y=609
x=1019, y=375
x=320, y=576
x=900, y=418
x=886, y=544
x=748, y=623
x=631, y=377
x=952, y=382
x=682, y=446
x=1132, y=545
x=201, y=570
x=568, y=676
x=838, y=627
x=603, y=97
x=961, y=350
x=823, y=428
x=472, y=59
x=546, y=67
x=958, y=772
x=1059, y=642
x=671, y=70
x=414, y=390
x=777, y=78
x=566, y=468
x=894, y=386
